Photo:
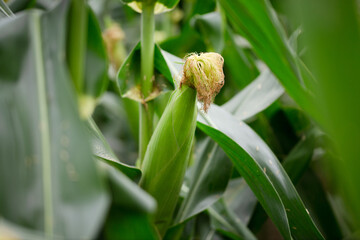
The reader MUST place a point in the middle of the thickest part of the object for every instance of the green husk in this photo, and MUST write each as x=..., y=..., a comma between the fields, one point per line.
x=168, y=153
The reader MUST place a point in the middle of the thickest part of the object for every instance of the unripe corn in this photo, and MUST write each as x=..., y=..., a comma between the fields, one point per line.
x=167, y=154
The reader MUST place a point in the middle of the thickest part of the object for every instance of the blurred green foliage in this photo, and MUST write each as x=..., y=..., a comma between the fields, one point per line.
x=277, y=154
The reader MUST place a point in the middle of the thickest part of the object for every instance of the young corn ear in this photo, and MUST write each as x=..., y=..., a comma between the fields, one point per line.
x=168, y=152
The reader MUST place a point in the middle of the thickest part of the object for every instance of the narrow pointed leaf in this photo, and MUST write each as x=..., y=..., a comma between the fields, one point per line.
x=102, y=150
x=258, y=23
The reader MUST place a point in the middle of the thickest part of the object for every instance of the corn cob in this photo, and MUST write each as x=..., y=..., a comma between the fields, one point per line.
x=168, y=151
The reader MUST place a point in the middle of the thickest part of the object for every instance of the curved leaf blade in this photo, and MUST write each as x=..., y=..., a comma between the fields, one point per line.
x=263, y=172
x=102, y=150
x=257, y=22
x=256, y=97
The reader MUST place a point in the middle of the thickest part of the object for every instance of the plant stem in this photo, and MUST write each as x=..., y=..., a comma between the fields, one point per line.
x=147, y=72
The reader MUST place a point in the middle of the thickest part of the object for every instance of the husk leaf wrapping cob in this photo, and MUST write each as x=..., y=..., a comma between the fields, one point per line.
x=168, y=152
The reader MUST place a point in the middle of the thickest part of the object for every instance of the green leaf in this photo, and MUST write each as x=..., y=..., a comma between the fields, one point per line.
x=103, y=151
x=333, y=41
x=298, y=160
x=44, y=149
x=174, y=64
x=263, y=172
x=209, y=178
x=316, y=199
x=257, y=22
x=123, y=224
x=239, y=62
x=19, y=5
x=4, y=9
x=256, y=97
x=130, y=215
x=224, y=220
x=128, y=79
x=9, y=230
x=96, y=61
x=128, y=194
x=210, y=28
x=240, y=199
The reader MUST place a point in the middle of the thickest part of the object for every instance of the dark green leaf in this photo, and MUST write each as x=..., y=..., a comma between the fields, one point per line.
x=19, y=5
x=44, y=151
x=128, y=194
x=263, y=172
x=123, y=224
x=239, y=65
x=257, y=22
x=315, y=198
x=223, y=219
x=333, y=40
x=128, y=78
x=209, y=178
x=102, y=150
x=96, y=64
x=300, y=156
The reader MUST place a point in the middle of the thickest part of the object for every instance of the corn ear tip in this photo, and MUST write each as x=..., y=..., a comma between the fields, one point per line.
x=204, y=72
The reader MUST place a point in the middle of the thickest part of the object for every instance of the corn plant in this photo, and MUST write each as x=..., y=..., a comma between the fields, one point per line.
x=179, y=119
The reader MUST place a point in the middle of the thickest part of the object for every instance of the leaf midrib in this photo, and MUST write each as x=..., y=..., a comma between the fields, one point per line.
x=35, y=26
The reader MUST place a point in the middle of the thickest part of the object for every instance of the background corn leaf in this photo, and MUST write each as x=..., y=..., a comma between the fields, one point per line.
x=128, y=78
x=210, y=26
x=226, y=222
x=239, y=65
x=319, y=205
x=19, y=5
x=333, y=38
x=102, y=150
x=45, y=154
x=131, y=206
x=298, y=160
x=256, y=97
x=9, y=230
x=5, y=10
x=96, y=63
x=257, y=22
x=240, y=199
x=261, y=169
x=210, y=176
